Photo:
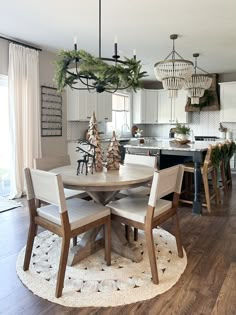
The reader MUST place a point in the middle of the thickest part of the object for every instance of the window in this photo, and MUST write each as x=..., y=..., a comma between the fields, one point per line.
x=120, y=115
x=5, y=143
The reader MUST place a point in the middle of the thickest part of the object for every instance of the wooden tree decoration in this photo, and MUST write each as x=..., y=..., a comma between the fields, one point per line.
x=93, y=138
x=113, y=154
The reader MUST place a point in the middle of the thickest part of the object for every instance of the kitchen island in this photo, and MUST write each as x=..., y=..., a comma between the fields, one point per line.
x=170, y=153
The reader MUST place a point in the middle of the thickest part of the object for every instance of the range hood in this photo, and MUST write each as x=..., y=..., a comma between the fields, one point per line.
x=210, y=98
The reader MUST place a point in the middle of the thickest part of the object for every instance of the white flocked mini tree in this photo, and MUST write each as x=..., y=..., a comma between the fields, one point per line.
x=93, y=138
x=113, y=154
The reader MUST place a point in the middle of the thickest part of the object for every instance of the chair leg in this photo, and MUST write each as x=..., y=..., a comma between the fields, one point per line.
x=223, y=177
x=127, y=232
x=152, y=256
x=229, y=182
x=207, y=191
x=30, y=242
x=62, y=266
x=135, y=234
x=107, y=228
x=75, y=241
x=214, y=183
x=178, y=236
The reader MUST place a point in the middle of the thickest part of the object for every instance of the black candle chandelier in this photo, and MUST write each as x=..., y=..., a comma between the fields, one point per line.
x=82, y=71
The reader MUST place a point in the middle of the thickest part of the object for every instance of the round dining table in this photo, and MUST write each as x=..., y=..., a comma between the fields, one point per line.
x=103, y=187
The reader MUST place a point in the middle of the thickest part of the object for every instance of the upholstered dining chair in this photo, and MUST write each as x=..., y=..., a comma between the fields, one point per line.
x=141, y=160
x=143, y=190
x=50, y=162
x=147, y=212
x=66, y=218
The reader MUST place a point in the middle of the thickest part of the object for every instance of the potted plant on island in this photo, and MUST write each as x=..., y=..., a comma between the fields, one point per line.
x=182, y=132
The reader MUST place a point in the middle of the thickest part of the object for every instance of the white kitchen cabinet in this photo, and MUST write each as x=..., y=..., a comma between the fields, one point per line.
x=228, y=102
x=172, y=110
x=151, y=108
x=80, y=104
x=145, y=107
x=104, y=107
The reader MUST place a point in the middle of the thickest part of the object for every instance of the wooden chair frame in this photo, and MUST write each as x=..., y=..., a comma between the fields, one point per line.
x=64, y=231
x=152, y=222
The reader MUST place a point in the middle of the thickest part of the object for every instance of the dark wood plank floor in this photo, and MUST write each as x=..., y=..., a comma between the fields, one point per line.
x=206, y=287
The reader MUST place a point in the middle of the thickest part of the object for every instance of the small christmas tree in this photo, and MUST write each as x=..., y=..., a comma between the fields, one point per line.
x=113, y=154
x=93, y=138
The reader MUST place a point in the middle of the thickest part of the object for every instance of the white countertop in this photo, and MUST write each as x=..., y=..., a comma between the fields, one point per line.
x=171, y=145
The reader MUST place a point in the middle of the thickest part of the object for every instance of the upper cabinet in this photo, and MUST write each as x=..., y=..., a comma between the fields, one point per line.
x=227, y=102
x=104, y=107
x=172, y=110
x=145, y=106
x=82, y=103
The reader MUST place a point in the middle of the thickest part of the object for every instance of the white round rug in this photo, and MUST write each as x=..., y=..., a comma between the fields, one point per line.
x=92, y=283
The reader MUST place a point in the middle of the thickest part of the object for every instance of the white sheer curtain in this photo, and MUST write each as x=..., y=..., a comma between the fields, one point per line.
x=23, y=78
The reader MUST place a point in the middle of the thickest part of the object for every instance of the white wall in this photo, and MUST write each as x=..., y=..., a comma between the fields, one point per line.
x=50, y=145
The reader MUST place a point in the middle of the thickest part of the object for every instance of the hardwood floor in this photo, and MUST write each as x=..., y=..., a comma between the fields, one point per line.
x=208, y=285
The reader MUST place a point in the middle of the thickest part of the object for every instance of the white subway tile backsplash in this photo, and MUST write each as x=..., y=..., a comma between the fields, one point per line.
x=203, y=124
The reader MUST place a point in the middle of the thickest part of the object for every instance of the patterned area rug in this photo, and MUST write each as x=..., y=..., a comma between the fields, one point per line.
x=6, y=204
x=92, y=283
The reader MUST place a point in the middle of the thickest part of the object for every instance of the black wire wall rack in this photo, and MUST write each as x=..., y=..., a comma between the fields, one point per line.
x=51, y=112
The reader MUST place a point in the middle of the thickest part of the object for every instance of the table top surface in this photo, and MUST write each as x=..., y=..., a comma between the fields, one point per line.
x=128, y=176
x=172, y=145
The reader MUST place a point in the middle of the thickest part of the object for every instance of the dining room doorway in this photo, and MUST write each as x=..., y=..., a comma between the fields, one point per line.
x=5, y=143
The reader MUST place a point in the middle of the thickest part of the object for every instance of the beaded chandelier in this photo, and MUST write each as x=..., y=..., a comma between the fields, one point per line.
x=173, y=72
x=198, y=83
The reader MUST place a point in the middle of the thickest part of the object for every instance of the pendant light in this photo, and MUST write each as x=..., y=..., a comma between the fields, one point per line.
x=173, y=72
x=198, y=83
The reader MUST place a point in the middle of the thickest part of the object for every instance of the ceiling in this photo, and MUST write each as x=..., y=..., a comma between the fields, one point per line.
x=204, y=26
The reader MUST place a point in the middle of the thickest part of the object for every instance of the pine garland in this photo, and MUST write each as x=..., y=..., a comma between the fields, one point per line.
x=104, y=74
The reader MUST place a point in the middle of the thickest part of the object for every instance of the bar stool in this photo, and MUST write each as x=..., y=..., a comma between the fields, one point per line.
x=208, y=168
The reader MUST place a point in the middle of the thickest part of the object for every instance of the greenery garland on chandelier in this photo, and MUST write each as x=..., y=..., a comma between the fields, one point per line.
x=104, y=76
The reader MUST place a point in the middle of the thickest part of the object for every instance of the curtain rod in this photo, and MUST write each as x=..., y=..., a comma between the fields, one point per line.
x=19, y=43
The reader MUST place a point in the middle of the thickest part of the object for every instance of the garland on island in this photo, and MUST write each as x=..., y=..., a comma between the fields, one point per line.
x=101, y=73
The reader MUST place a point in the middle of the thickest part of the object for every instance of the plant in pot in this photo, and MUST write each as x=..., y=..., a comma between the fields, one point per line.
x=182, y=132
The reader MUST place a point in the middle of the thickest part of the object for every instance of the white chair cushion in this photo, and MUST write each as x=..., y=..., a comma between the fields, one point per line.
x=69, y=193
x=135, y=207
x=80, y=212
x=137, y=190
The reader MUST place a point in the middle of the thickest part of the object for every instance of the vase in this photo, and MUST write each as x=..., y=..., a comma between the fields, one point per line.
x=181, y=137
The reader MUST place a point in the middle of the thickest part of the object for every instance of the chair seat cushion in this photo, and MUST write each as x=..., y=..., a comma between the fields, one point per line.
x=80, y=212
x=143, y=190
x=135, y=207
x=69, y=193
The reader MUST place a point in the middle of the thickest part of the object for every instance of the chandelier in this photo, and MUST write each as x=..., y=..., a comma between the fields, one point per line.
x=198, y=83
x=82, y=71
x=173, y=72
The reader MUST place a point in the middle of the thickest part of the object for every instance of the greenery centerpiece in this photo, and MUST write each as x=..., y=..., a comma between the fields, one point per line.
x=101, y=75
x=182, y=132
